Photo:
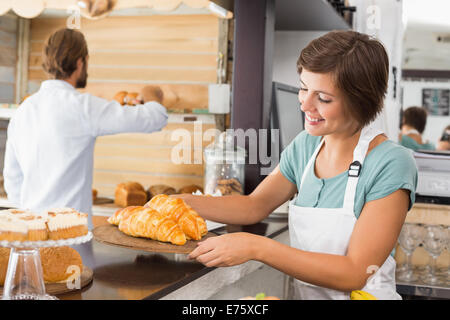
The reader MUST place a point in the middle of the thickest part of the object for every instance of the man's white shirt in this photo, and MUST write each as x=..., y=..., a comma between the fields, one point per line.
x=50, y=144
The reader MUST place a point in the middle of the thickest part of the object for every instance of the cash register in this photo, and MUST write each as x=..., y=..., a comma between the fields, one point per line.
x=433, y=185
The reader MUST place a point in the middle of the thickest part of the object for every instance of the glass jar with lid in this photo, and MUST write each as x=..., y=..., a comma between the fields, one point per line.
x=225, y=165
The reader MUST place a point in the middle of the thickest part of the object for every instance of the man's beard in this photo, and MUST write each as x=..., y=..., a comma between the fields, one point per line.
x=82, y=80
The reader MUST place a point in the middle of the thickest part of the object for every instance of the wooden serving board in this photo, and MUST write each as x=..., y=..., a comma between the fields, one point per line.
x=110, y=234
x=54, y=288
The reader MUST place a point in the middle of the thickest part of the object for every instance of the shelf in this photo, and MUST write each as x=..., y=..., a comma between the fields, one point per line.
x=423, y=290
x=7, y=113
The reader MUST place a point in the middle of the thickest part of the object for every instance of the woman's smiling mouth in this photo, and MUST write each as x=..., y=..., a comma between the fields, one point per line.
x=313, y=121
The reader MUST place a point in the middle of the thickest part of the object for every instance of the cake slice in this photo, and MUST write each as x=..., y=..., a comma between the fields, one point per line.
x=36, y=224
x=12, y=229
x=37, y=227
x=64, y=223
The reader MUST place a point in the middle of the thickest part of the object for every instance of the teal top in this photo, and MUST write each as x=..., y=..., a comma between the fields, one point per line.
x=387, y=168
x=410, y=143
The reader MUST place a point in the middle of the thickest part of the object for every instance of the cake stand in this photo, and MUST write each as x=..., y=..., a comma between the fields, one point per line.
x=24, y=278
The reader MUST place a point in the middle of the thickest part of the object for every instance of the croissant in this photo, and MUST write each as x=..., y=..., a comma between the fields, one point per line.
x=117, y=216
x=149, y=223
x=190, y=221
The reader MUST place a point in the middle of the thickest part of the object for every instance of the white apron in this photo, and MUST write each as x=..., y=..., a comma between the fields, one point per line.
x=328, y=230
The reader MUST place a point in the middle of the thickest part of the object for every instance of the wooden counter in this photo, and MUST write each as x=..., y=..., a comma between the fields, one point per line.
x=428, y=213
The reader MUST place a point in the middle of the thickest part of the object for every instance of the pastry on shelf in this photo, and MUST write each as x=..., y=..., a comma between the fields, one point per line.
x=130, y=194
x=188, y=219
x=120, y=97
x=149, y=223
x=160, y=189
x=94, y=194
x=131, y=98
x=190, y=189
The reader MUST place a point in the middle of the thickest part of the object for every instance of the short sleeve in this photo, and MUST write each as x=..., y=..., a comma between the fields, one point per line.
x=399, y=171
x=290, y=158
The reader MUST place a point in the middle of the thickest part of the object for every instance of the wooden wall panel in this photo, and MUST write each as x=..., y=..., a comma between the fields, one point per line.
x=134, y=28
x=148, y=158
x=140, y=74
x=137, y=58
x=8, y=57
x=158, y=49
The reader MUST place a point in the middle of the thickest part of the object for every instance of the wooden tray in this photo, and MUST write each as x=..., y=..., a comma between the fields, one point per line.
x=110, y=234
x=55, y=288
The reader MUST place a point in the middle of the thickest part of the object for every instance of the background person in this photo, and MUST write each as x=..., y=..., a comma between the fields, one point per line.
x=444, y=142
x=51, y=138
x=414, y=121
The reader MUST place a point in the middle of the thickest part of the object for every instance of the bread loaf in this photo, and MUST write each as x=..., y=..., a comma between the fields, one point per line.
x=130, y=194
x=152, y=93
x=190, y=189
x=160, y=189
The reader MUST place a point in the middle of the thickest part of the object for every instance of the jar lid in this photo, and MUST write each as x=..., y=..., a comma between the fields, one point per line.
x=225, y=149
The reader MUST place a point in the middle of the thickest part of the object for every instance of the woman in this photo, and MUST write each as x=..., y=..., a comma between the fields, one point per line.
x=414, y=121
x=444, y=141
x=343, y=224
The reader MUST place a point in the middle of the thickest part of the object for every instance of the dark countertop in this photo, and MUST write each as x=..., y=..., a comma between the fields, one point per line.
x=122, y=274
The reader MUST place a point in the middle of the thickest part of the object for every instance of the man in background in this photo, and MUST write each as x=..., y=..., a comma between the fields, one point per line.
x=51, y=138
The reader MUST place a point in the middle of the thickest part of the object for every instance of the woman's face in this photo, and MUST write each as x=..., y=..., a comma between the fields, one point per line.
x=323, y=106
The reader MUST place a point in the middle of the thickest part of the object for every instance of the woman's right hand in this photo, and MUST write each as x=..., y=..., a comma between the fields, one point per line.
x=272, y=192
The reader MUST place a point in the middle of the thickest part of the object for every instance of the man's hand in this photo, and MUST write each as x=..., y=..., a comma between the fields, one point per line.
x=152, y=93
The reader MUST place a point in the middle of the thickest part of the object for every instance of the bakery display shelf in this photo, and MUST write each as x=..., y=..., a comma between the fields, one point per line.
x=8, y=111
x=47, y=243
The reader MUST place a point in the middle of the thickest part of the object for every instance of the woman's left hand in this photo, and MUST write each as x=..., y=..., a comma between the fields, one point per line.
x=226, y=250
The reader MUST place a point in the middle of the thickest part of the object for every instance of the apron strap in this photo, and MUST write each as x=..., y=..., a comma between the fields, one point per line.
x=310, y=162
x=359, y=154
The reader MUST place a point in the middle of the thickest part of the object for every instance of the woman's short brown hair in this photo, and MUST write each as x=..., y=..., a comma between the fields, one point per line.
x=359, y=66
x=415, y=117
x=61, y=51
